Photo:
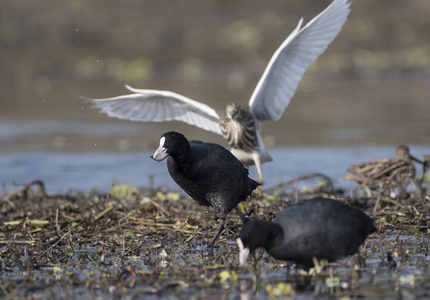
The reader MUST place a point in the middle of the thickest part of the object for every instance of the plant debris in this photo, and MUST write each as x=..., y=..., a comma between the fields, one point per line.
x=151, y=242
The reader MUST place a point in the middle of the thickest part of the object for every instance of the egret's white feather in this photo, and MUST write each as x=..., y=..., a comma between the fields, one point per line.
x=287, y=66
x=159, y=106
x=269, y=99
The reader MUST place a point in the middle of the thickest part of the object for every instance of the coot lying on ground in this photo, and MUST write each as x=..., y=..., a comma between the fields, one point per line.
x=319, y=227
x=239, y=125
x=208, y=172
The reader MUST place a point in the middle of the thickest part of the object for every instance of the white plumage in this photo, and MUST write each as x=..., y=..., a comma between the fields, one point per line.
x=270, y=97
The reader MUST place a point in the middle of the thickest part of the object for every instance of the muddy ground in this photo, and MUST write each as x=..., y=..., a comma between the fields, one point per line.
x=150, y=244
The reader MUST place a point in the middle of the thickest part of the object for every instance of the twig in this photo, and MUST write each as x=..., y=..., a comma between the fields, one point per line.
x=55, y=244
x=57, y=227
x=17, y=242
x=301, y=178
x=123, y=244
x=388, y=200
x=103, y=213
x=160, y=208
x=62, y=238
x=376, y=207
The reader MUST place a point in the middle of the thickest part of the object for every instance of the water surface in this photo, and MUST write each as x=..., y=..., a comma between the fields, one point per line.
x=84, y=171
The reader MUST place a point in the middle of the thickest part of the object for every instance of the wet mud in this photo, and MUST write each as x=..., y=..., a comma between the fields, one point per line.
x=152, y=243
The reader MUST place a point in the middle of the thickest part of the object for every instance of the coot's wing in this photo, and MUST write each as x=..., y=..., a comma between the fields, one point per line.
x=324, y=228
x=159, y=106
x=287, y=66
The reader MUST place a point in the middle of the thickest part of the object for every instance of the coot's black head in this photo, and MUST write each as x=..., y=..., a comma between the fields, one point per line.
x=255, y=234
x=171, y=143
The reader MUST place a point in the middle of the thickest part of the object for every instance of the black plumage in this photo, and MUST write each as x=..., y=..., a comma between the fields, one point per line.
x=268, y=101
x=207, y=172
x=319, y=227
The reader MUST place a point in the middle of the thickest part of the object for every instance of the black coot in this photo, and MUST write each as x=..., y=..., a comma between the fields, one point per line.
x=319, y=227
x=208, y=173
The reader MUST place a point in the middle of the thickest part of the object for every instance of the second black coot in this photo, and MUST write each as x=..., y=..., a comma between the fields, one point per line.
x=319, y=227
x=208, y=173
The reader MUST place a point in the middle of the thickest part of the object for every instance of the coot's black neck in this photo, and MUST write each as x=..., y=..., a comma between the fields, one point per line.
x=182, y=155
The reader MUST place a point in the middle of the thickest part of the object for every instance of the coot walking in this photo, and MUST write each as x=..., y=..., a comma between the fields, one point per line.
x=208, y=173
x=319, y=227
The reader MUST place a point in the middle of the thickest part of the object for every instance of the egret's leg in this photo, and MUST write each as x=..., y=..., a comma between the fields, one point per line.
x=257, y=162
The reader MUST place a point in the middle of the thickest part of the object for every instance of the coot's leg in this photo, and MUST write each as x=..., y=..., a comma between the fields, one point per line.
x=249, y=212
x=218, y=232
x=243, y=217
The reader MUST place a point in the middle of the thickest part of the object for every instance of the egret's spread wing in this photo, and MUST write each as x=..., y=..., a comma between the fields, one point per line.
x=159, y=106
x=287, y=66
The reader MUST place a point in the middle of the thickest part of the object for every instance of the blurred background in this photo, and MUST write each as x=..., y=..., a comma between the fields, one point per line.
x=365, y=95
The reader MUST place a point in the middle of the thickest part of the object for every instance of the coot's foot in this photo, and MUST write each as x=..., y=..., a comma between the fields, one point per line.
x=218, y=233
